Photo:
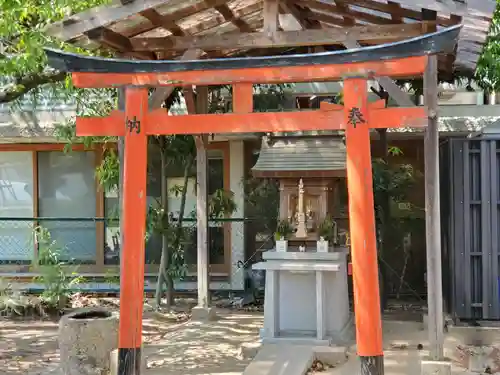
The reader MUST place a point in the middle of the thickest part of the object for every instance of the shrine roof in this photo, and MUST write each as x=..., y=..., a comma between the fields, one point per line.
x=291, y=154
x=166, y=29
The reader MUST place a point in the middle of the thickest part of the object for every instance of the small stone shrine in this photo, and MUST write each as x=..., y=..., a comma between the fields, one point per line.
x=306, y=293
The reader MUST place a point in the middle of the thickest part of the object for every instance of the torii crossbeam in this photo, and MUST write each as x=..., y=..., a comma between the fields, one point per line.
x=356, y=117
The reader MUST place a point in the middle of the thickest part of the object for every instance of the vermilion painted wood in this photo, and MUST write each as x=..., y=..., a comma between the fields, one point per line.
x=330, y=116
x=407, y=67
x=159, y=122
x=134, y=217
x=243, y=98
x=362, y=223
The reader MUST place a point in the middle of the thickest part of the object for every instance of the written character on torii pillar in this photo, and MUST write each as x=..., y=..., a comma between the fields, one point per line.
x=357, y=116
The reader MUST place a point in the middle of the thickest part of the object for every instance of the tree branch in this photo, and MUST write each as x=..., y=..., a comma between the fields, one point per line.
x=28, y=83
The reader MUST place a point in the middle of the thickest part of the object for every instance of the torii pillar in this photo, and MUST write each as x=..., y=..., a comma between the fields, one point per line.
x=356, y=117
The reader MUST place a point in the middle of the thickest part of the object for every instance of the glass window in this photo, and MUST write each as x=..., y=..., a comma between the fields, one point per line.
x=16, y=201
x=175, y=181
x=67, y=189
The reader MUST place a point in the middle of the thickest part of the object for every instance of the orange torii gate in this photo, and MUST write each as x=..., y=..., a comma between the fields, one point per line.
x=357, y=116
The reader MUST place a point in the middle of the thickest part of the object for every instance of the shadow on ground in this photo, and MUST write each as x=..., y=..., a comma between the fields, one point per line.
x=204, y=348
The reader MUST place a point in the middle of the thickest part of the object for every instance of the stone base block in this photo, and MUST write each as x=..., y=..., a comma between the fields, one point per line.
x=249, y=350
x=309, y=341
x=436, y=367
x=113, y=368
x=86, y=338
x=203, y=314
x=425, y=321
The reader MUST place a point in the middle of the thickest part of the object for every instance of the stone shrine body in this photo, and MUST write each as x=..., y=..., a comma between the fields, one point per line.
x=306, y=292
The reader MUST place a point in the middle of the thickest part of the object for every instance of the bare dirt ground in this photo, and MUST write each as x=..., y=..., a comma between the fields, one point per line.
x=172, y=345
x=177, y=345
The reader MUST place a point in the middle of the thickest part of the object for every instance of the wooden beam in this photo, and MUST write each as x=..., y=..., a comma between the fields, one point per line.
x=389, y=8
x=229, y=16
x=394, y=91
x=78, y=24
x=432, y=216
x=435, y=322
x=407, y=67
x=396, y=11
x=159, y=122
x=159, y=21
x=292, y=10
x=117, y=42
x=330, y=19
x=271, y=13
x=162, y=93
x=349, y=20
x=368, y=34
x=332, y=8
x=189, y=8
x=243, y=98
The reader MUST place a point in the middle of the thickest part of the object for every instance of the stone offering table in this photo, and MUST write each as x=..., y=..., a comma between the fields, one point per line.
x=306, y=297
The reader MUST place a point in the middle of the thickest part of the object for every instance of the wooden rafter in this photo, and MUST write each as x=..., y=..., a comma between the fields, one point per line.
x=230, y=16
x=288, y=8
x=158, y=20
x=118, y=43
x=344, y=8
x=77, y=25
x=328, y=19
x=271, y=13
x=347, y=13
x=185, y=21
x=192, y=7
x=365, y=34
x=398, y=11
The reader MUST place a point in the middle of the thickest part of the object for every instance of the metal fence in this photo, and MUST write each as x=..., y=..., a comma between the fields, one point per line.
x=74, y=238
x=471, y=220
x=78, y=239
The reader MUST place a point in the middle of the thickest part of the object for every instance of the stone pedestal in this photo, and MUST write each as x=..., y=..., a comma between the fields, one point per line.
x=203, y=314
x=306, y=300
x=86, y=339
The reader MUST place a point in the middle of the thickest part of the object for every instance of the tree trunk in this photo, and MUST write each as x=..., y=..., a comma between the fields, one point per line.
x=178, y=235
x=164, y=241
x=163, y=274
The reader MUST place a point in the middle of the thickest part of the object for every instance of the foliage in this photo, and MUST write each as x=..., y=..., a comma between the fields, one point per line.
x=488, y=67
x=108, y=172
x=57, y=276
x=395, y=180
x=22, y=39
x=220, y=204
x=12, y=302
x=327, y=229
x=283, y=230
x=164, y=223
x=262, y=203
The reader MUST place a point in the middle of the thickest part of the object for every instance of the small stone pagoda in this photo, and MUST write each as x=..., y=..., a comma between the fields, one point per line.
x=298, y=307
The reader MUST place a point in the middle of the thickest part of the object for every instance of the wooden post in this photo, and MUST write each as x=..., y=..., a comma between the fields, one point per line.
x=203, y=310
x=202, y=223
x=432, y=214
x=134, y=228
x=362, y=228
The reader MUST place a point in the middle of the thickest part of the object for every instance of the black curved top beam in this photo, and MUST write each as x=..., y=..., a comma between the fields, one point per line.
x=442, y=41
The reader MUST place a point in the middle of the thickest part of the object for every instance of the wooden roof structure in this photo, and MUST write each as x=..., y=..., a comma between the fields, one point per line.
x=197, y=29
